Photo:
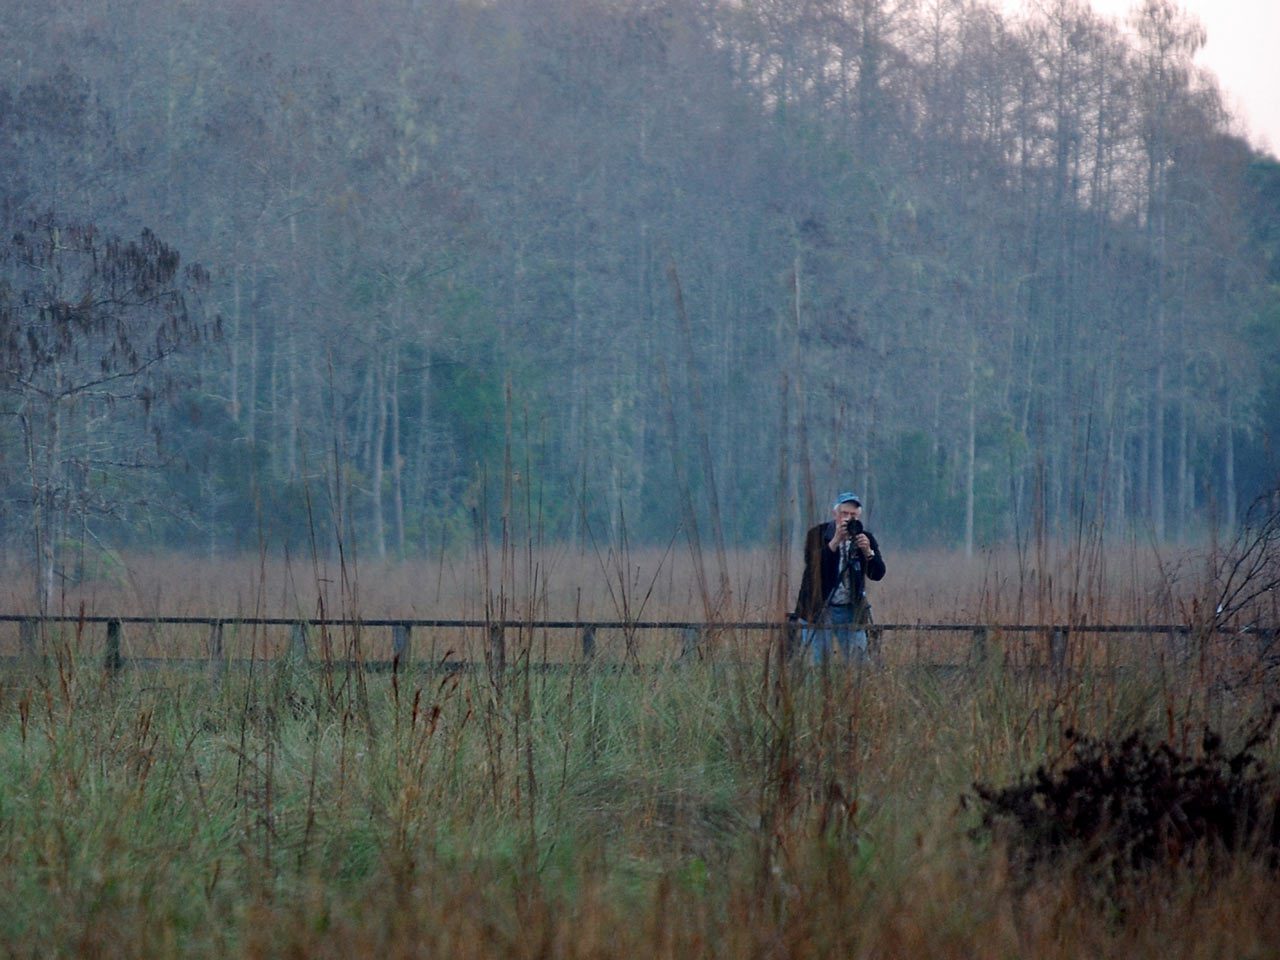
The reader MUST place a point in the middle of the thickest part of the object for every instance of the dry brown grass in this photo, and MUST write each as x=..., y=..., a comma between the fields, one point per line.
x=1133, y=584
x=1129, y=584
x=730, y=809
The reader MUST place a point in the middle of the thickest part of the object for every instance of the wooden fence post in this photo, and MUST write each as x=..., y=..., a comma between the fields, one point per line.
x=589, y=642
x=217, y=662
x=875, y=647
x=690, y=640
x=401, y=645
x=1058, y=648
x=27, y=631
x=298, y=641
x=791, y=639
x=1179, y=645
x=979, y=652
x=497, y=649
x=112, y=661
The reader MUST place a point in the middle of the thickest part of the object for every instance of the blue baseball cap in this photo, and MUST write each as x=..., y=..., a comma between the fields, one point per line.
x=847, y=497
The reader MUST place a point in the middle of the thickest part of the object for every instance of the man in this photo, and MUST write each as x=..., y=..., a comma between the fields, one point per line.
x=839, y=558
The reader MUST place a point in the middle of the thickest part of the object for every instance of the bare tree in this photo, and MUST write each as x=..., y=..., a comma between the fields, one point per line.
x=88, y=324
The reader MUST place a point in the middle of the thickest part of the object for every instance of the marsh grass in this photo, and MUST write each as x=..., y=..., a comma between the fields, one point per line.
x=732, y=804
x=1129, y=583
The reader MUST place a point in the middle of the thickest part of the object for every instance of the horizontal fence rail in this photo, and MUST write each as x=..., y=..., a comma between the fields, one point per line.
x=693, y=636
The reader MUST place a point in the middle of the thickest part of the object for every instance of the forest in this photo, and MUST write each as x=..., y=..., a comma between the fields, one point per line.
x=402, y=270
x=325, y=323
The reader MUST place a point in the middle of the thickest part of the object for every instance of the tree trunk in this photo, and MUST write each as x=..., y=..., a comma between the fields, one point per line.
x=293, y=429
x=397, y=458
x=1184, y=470
x=233, y=387
x=47, y=495
x=1157, y=448
x=972, y=451
x=377, y=461
x=251, y=418
x=420, y=480
x=1229, y=467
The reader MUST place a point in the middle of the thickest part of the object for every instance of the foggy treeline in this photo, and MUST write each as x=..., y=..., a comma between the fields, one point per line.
x=623, y=262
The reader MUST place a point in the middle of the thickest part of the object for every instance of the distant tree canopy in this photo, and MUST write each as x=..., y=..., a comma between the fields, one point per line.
x=987, y=271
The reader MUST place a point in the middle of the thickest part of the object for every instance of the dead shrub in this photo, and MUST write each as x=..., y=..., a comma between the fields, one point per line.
x=1123, y=810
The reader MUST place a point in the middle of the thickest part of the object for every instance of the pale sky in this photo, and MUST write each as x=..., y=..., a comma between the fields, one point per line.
x=1243, y=51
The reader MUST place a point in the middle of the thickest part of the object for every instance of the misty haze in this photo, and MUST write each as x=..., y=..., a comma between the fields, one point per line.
x=365, y=314
x=990, y=273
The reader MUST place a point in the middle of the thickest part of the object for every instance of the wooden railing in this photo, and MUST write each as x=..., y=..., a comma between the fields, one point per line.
x=693, y=635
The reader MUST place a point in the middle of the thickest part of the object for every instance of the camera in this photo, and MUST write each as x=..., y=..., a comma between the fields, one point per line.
x=853, y=526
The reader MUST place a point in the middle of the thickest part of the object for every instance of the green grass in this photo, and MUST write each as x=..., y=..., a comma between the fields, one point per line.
x=719, y=810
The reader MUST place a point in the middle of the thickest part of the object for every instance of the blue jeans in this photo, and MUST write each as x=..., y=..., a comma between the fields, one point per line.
x=835, y=629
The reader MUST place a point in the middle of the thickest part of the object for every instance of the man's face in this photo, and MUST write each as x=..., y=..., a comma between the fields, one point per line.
x=844, y=512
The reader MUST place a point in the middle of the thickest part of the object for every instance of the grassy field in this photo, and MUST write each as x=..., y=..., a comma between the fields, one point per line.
x=734, y=806
x=1131, y=583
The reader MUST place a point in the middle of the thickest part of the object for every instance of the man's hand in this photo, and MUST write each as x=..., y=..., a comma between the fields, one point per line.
x=842, y=534
x=863, y=543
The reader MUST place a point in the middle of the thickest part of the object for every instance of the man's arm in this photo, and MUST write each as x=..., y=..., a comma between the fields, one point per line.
x=874, y=564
